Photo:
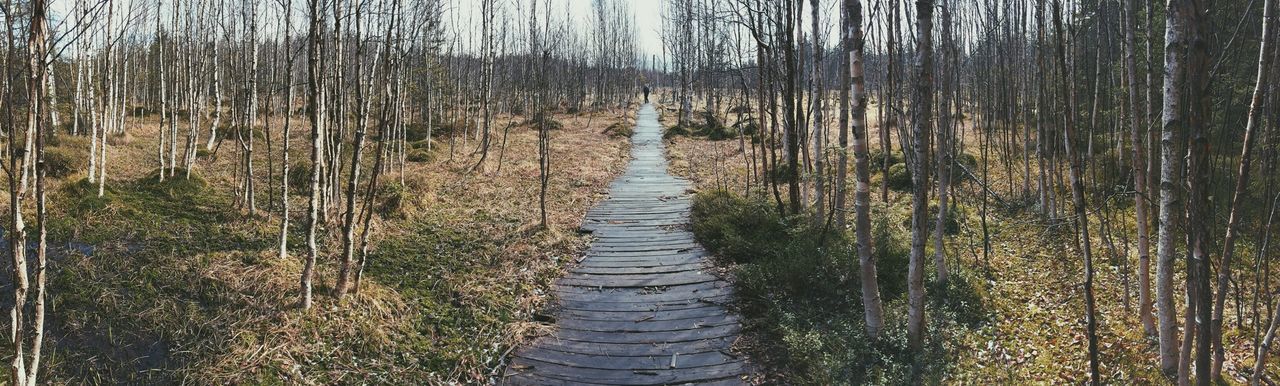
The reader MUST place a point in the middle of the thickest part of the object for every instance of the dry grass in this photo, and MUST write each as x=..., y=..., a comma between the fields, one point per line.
x=173, y=282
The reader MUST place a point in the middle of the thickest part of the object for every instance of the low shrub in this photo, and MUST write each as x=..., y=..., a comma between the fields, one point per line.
x=736, y=228
x=899, y=177
x=174, y=184
x=392, y=200
x=541, y=119
x=119, y=139
x=60, y=162
x=676, y=131
x=620, y=129
x=876, y=157
x=418, y=155
x=300, y=178
x=799, y=290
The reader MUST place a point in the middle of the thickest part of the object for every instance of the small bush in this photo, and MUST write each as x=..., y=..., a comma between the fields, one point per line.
x=676, y=131
x=119, y=139
x=60, y=162
x=418, y=155
x=876, y=157
x=177, y=184
x=714, y=129
x=416, y=132
x=543, y=118
x=899, y=178
x=780, y=172
x=951, y=226
x=422, y=144
x=734, y=227
x=243, y=132
x=621, y=129
x=968, y=161
x=749, y=127
x=65, y=154
x=893, y=256
x=392, y=200
x=83, y=196
x=300, y=178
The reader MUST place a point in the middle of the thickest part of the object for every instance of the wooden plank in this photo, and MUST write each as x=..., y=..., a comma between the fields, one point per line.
x=640, y=270
x=649, y=362
x=649, y=337
x=694, y=288
x=659, y=297
x=714, y=301
x=696, y=251
x=635, y=280
x=638, y=349
x=647, y=325
x=640, y=315
x=633, y=377
x=639, y=262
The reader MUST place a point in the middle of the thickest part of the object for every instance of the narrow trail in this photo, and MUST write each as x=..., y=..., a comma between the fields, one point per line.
x=640, y=309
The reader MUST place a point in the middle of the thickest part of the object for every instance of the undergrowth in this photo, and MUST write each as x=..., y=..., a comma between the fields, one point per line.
x=798, y=288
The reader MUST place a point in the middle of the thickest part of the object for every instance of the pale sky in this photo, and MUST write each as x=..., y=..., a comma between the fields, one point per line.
x=647, y=16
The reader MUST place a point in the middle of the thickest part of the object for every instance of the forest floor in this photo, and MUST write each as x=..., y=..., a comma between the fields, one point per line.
x=1014, y=316
x=173, y=282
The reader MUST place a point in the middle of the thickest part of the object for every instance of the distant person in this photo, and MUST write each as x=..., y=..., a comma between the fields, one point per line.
x=646, y=93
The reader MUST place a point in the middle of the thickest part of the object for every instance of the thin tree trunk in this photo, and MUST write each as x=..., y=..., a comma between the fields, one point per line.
x=922, y=123
x=287, y=9
x=819, y=135
x=1139, y=160
x=1171, y=156
x=943, y=150
x=1242, y=180
x=1077, y=193
x=855, y=43
x=317, y=118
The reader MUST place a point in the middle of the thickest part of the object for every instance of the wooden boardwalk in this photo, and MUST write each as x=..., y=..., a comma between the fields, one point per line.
x=640, y=309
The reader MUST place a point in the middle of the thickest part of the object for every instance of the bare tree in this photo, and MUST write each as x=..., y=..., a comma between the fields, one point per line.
x=317, y=114
x=1171, y=153
x=1139, y=159
x=1081, y=218
x=855, y=43
x=922, y=123
x=1242, y=180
